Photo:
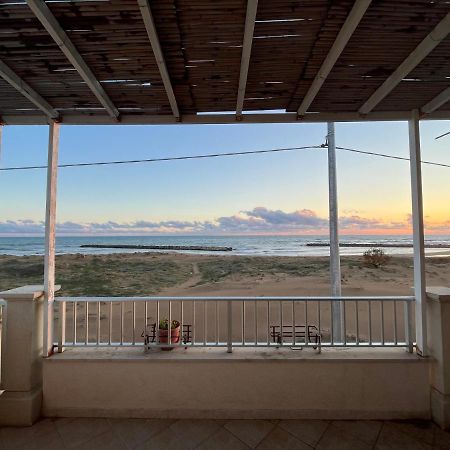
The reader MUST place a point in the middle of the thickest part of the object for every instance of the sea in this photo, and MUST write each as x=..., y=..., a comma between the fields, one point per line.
x=241, y=245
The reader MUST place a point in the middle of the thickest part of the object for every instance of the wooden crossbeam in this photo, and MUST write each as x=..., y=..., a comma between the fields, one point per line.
x=350, y=24
x=252, y=6
x=431, y=41
x=27, y=91
x=436, y=102
x=149, y=23
x=48, y=20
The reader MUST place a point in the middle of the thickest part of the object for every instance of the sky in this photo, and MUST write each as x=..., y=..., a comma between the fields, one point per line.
x=277, y=193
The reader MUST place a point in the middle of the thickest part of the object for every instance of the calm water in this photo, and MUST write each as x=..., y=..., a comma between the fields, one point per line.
x=242, y=245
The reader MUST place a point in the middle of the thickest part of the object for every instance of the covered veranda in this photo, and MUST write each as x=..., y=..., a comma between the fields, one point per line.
x=179, y=62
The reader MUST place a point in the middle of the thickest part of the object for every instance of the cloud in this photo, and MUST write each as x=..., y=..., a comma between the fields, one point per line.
x=259, y=220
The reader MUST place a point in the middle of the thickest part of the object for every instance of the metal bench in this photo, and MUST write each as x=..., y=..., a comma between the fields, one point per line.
x=296, y=335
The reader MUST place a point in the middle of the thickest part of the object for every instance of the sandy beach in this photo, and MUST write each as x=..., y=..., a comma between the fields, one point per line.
x=171, y=274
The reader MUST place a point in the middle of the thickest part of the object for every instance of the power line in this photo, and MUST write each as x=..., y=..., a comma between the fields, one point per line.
x=384, y=155
x=172, y=158
x=217, y=155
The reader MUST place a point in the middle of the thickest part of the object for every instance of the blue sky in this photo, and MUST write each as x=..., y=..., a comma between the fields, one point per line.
x=288, y=190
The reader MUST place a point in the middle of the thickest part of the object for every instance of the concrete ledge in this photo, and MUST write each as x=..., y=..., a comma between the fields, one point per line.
x=334, y=385
x=438, y=293
x=20, y=408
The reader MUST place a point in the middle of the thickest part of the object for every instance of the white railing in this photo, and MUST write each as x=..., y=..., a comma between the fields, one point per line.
x=229, y=322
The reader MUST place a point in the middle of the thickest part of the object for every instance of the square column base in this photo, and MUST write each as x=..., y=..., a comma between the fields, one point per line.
x=440, y=408
x=20, y=408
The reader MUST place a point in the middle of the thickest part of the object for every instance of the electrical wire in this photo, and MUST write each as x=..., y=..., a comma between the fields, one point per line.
x=217, y=155
x=384, y=155
x=171, y=158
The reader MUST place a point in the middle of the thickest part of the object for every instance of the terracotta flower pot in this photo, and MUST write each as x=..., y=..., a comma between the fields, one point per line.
x=164, y=337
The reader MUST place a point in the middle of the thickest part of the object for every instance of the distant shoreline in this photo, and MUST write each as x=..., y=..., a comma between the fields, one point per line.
x=374, y=244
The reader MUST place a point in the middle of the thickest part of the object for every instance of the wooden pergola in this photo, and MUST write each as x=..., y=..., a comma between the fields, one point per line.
x=223, y=62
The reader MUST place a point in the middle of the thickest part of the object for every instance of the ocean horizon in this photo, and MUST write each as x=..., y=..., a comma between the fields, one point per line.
x=268, y=245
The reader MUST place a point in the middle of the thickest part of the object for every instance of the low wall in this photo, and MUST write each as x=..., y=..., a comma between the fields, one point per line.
x=338, y=384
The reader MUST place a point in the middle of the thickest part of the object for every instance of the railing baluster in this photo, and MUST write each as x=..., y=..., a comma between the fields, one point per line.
x=256, y=323
x=133, y=321
x=357, y=321
x=331, y=324
x=157, y=323
x=98, y=322
x=318, y=320
x=169, y=325
x=110, y=322
x=194, y=331
x=181, y=322
x=408, y=326
x=382, y=322
x=217, y=323
x=205, y=324
x=86, y=323
x=344, y=322
x=229, y=327
x=294, y=337
x=121, y=323
x=395, y=323
x=268, y=324
x=281, y=321
x=74, y=323
x=243, y=323
x=62, y=327
x=306, y=325
x=369, y=306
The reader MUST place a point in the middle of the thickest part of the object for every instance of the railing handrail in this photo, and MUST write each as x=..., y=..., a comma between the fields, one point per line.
x=391, y=298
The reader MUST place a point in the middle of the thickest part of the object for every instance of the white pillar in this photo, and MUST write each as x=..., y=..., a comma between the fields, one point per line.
x=50, y=221
x=418, y=233
x=335, y=263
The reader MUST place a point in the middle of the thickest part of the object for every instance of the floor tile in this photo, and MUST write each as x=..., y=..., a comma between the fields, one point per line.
x=105, y=441
x=78, y=431
x=421, y=430
x=441, y=439
x=279, y=439
x=223, y=440
x=135, y=431
x=252, y=432
x=308, y=431
x=391, y=438
x=182, y=435
x=366, y=430
x=42, y=435
x=337, y=439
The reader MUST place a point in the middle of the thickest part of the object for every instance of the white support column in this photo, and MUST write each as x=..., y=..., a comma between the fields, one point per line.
x=418, y=233
x=50, y=222
x=335, y=262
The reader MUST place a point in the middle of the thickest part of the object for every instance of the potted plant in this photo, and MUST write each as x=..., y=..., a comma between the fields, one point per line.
x=163, y=333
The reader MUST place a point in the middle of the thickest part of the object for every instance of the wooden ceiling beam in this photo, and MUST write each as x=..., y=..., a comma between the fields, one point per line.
x=149, y=23
x=436, y=102
x=48, y=20
x=27, y=91
x=431, y=41
x=250, y=18
x=353, y=19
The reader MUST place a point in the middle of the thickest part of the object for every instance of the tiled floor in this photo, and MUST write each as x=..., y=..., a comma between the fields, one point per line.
x=159, y=434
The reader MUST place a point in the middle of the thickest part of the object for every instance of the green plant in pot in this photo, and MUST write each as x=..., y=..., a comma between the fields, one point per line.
x=163, y=333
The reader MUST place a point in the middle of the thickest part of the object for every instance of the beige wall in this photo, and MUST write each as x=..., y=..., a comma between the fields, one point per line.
x=143, y=386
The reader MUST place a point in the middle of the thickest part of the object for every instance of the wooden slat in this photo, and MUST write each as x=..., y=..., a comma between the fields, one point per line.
x=431, y=41
x=352, y=21
x=147, y=17
x=252, y=6
x=27, y=91
x=45, y=16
